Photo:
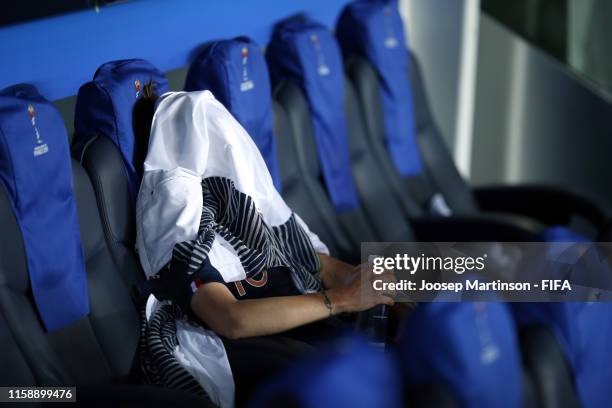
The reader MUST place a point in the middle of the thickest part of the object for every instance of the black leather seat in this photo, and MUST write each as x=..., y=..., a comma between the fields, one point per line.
x=388, y=216
x=381, y=216
x=355, y=223
x=551, y=378
x=96, y=351
x=547, y=205
x=104, y=165
x=211, y=70
x=15, y=369
x=96, y=146
x=305, y=194
x=417, y=189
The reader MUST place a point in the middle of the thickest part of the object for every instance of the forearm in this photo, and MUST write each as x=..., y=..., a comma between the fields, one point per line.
x=281, y=314
x=215, y=305
x=260, y=317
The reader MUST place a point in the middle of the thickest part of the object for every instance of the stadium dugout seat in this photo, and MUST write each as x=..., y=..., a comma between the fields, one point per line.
x=559, y=341
x=306, y=196
x=566, y=347
x=300, y=89
x=353, y=222
x=388, y=222
x=347, y=372
x=109, y=146
x=301, y=52
x=219, y=68
x=405, y=140
x=551, y=376
x=469, y=349
x=15, y=370
x=52, y=232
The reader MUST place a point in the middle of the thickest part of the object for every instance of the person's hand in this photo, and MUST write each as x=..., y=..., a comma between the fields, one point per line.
x=358, y=294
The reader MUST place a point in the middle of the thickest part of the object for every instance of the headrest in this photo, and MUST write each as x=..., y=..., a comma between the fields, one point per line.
x=584, y=332
x=469, y=347
x=105, y=107
x=235, y=71
x=347, y=373
x=36, y=172
x=561, y=233
x=305, y=52
x=374, y=30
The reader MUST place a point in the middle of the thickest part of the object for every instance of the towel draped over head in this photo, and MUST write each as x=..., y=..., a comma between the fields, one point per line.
x=207, y=194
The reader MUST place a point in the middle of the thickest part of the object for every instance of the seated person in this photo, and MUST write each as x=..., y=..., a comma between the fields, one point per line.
x=221, y=243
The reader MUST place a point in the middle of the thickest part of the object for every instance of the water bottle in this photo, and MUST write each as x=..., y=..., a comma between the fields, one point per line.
x=373, y=322
x=377, y=326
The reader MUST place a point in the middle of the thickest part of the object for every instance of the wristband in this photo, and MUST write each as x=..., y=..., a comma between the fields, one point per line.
x=327, y=303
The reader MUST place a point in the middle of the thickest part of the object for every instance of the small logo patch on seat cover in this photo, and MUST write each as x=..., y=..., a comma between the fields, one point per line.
x=41, y=147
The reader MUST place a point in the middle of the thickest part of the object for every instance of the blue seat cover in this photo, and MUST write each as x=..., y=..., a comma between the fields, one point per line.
x=584, y=332
x=469, y=347
x=346, y=373
x=235, y=71
x=374, y=29
x=35, y=169
x=560, y=233
x=304, y=51
x=105, y=106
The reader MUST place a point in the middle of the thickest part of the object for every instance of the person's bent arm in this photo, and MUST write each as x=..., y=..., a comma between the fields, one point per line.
x=232, y=318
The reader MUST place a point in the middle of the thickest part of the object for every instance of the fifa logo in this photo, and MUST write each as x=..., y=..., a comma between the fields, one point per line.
x=322, y=69
x=137, y=87
x=489, y=351
x=246, y=84
x=41, y=147
x=390, y=40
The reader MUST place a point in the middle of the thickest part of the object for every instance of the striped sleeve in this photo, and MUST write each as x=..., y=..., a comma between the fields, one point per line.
x=318, y=245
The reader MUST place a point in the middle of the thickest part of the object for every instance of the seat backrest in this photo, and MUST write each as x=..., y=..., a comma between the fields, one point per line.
x=35, y=172
x=15, y=369
x=105, y=107
x=470, y=348
x=17, y=307
x=99, y=347
x=236, y=73
x=385, y=210
x=390, y=91
x=306, y=196
x=321, y=79
x=551, y=376
x=583, y=333
x=408, y=190
x=292, y=100
x=104, y=165
x=348, y=372
x=379, y=25
x=111, y=148
x=113, y=318
x=296, y=52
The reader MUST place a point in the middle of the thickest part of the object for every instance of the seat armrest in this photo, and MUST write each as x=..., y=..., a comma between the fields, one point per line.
x=471, y=229
x=548, y=204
